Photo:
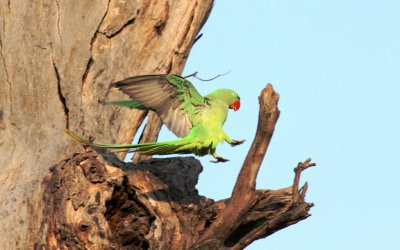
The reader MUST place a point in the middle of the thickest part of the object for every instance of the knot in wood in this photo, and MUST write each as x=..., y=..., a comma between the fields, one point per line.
x=94, y=170
x=84, y=225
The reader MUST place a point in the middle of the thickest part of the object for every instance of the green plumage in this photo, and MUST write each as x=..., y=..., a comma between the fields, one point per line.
x=129, y=104
x=197, y=119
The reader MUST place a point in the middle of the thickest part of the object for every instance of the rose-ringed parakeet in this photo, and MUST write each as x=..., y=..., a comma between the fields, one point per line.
x=197, y=119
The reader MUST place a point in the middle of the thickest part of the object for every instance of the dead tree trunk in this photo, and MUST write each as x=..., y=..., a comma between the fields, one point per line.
x=58, y=59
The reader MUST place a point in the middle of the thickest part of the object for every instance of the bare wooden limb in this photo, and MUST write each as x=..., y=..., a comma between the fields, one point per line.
x=243, y=195
x=273, y=210
x=206, y=80
x=267, y=118
x=298, y=195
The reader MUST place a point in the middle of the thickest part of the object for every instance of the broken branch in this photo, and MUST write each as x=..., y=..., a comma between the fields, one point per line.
x=243, y=195
x=298, y=195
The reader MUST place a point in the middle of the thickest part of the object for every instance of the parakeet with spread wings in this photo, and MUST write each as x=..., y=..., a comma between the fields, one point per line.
x=196, y=119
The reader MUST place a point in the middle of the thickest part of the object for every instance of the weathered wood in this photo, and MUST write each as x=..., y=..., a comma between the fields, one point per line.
x=91, y=204
x=57, y=60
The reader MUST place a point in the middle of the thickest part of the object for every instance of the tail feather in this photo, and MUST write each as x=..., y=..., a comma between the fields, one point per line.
x=129, y=103
x=111, y=147
x=160, y=148
x=152, y=148
x=75, y=137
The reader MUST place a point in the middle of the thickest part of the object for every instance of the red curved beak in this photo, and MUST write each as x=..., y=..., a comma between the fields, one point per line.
x=235, y=106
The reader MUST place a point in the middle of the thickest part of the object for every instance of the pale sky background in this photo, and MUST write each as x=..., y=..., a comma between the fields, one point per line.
x=336, y=66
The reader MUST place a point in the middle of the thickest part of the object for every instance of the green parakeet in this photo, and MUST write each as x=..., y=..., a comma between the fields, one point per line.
x=197, y=119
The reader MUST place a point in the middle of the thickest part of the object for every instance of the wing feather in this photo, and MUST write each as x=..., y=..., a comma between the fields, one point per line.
x=171, y=96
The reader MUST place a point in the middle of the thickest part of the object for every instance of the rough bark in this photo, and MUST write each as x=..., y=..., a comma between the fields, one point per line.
x=57, y=61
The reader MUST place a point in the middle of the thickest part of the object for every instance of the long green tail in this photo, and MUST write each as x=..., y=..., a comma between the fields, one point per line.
x=152, y=148
x=129, y=103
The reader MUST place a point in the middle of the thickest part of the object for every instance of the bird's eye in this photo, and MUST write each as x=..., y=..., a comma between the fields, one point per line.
x=233, y=94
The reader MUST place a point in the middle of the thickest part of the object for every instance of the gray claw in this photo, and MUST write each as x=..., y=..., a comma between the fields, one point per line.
x=219, y=159
x=237, y=142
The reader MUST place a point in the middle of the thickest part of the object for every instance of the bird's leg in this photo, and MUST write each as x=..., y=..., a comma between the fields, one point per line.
x=218, y=158
x=236, y=142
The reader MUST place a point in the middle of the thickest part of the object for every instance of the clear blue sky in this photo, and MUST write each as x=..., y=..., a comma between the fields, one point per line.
x=336, y=65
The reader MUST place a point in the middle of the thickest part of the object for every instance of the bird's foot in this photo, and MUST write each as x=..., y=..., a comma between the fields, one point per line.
x=236, y=142
x=219, y=159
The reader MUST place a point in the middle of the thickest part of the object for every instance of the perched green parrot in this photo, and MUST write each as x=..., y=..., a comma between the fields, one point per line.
x=197, y=119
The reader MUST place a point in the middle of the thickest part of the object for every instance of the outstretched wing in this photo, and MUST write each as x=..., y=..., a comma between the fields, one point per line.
x=173, y=97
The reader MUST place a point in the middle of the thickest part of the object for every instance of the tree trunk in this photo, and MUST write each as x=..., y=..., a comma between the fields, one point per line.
x=58, y=59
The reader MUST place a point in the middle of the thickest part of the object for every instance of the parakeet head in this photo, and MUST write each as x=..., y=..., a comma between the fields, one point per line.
x=230, y=97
